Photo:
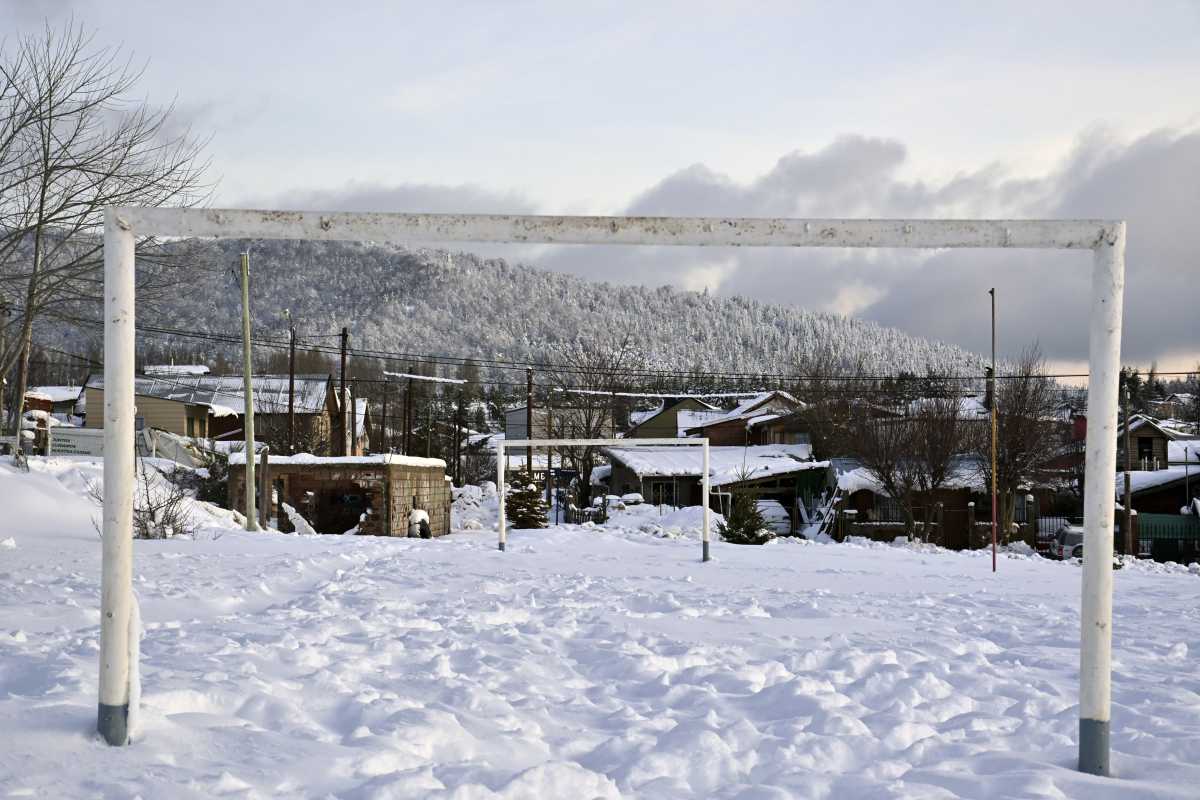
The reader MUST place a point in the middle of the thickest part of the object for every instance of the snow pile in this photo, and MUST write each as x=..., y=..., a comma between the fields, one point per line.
x=597, y=662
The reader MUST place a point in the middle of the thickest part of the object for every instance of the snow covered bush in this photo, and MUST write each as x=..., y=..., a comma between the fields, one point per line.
x=745, y=524
x=160, y=502
x=524, y=505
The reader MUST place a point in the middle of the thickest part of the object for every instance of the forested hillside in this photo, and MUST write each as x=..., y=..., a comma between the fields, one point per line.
x=459, y=304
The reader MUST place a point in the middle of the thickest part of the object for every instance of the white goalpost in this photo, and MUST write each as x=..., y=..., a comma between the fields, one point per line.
x=501, y=468
x=1104, y=239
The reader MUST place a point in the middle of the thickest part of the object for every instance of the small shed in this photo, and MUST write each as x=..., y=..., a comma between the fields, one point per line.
x=365, y=494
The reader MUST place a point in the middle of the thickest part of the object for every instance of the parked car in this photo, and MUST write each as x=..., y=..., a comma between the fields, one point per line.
x=1068, y=542
x=776, y=517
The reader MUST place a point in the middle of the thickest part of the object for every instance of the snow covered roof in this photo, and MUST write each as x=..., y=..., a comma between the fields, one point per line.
x=1144, y=480
x=175, y=370
x=966, y=474
x=746, y=409
x=1180, y=451
x=309, y=458
x=726, y=464
x=55, y=394
x=224, y=393
x=1170, y=428
x=638, y=417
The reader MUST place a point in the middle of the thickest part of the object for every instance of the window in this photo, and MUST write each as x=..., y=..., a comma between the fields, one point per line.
x=191, y=426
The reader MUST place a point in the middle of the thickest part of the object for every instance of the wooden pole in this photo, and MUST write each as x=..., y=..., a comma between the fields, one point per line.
x=264, y=491
x=992, y=379
x=291, y=389
x=342, y=449
x=384, y=440
x=458, y=434
x=248, y=390
x=529, y=419
x=408, y=402
x=1127, y=520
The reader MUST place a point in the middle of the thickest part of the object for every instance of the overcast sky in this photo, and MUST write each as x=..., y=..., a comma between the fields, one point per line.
x=753, y=109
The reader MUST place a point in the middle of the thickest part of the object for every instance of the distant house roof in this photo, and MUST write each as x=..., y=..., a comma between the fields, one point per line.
x=1147, y=480
x=224, y=393
x=1165, y=427
x=683, y=418
x=747, y=409
x=726, y=465
x=309, y=458
x=55, y=394
x=966, y=473
x=1180, y=451
x=174, y=370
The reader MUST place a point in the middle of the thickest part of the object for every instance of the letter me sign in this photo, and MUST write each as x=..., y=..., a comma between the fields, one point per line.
x=1104, y=239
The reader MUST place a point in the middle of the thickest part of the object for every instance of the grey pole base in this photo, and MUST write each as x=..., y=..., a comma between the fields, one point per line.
x=113, y=724
x=1093, y=747
x=705, y=556
x=502, y=547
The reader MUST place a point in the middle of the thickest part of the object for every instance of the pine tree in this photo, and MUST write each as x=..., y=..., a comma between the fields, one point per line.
x=524, y=505
x=746, y=524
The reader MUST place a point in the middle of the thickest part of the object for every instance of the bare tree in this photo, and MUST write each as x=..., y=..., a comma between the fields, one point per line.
x=882, y=441
x=941, y=428
x=72, y=143
x=910, y=445
x=1026, y=435
x=594, y=374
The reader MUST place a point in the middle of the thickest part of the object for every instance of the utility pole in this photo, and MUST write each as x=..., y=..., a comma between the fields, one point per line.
x=352, y=404
x=992, y=378
x=291, y=384
x=408, y=404
x=248, y=390
x=428, y=427
x=342, y=390
x=529, y=419
x=1127, y=519
x=384, y=439
x=458, y=434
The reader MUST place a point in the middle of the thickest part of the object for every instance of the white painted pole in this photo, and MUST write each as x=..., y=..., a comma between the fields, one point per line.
x=248, y=389
x=117, y=547
x=704, y=501
x=1104, y=366
x=500, y=491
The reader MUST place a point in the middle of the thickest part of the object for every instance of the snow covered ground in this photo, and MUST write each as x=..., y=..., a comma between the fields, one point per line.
x=584, y=662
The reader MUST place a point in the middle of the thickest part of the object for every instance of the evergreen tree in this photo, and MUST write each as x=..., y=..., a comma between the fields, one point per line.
x=524, y=504
x=745, y=524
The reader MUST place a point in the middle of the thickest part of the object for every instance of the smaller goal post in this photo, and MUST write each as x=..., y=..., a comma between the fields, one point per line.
x=502, y=462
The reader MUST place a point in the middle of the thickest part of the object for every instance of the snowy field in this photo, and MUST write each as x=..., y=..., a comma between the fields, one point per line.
x=582, y=663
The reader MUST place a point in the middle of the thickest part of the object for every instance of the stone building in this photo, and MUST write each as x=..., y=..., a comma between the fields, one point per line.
x=367, y=494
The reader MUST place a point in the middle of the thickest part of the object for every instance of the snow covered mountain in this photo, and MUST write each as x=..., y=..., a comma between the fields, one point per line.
x=435, y=302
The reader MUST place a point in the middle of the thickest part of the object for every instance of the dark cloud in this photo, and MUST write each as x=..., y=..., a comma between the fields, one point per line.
x=1151, y=183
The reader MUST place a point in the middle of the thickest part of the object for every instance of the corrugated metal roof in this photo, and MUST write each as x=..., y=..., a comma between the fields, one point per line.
x=225, y=391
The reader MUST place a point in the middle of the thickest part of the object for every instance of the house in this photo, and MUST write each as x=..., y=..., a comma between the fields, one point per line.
x=213, y=406
x=515, y=423
x=1162, y=491
x=1149, y=438
x=746, y=424
x=671, y=475
x=364, y=494
x=58, y=400
x=668, y=420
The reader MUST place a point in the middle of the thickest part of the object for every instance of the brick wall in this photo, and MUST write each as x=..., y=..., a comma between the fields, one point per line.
x=431, y=490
